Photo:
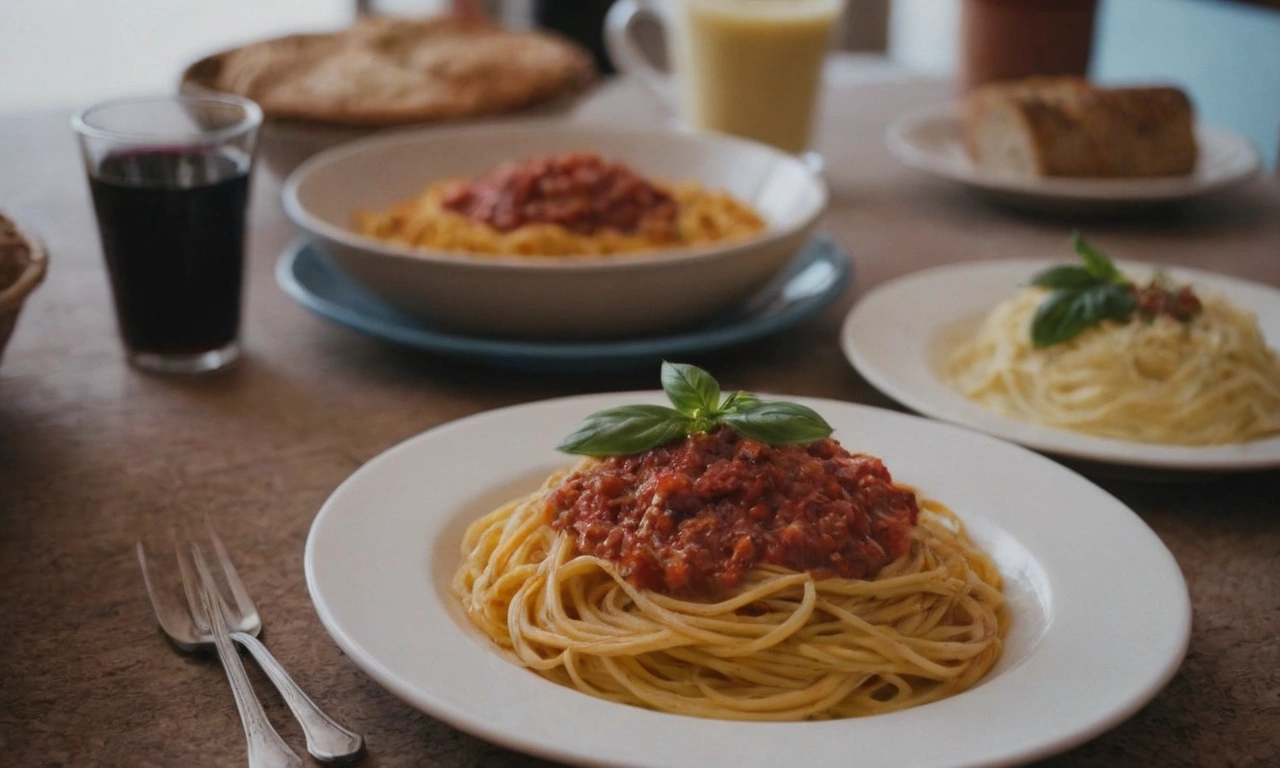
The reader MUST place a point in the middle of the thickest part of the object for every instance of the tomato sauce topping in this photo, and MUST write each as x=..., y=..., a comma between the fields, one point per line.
x=691, y=518
x=1159, y=299
x=580, y=191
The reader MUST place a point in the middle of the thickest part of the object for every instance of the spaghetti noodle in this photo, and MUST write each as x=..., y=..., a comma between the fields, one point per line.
x=782, y=645
x=1206, y=380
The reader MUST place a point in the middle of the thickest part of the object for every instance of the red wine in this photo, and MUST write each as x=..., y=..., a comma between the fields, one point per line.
x=172, y=224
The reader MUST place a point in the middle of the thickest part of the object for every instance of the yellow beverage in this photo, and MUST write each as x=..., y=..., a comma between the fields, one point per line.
x=752, y=67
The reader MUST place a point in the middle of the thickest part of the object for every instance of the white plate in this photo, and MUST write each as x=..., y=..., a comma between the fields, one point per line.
x=898, y=334
x=1100, y=613
x=931, y=140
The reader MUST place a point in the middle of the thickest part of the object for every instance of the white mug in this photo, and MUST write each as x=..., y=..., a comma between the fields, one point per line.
x=751, y=68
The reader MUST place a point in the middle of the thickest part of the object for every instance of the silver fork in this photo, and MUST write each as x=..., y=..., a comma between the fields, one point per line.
x=326, y=739
x=265, y=747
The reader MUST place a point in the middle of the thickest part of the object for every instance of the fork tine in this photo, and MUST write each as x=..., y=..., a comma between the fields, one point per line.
x=156, y=608
x=194, y=602
x=244, y=604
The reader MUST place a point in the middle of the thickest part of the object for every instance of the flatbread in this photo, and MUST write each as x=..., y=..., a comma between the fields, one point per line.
x=386, y=71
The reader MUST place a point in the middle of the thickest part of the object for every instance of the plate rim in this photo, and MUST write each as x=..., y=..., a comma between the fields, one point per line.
x=1081, y=190
x=1174, y=600
x=578, y=354
x=1051, y=440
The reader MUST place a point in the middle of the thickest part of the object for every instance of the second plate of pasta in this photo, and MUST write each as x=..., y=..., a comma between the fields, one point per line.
x=954, y=343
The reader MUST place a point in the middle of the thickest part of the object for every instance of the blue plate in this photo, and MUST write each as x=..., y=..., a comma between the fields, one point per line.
x=809, y=282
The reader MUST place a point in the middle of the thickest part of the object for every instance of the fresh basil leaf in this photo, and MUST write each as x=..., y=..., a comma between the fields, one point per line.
x=737, y=401
x=691, y=389
x=1117, y=302
x=1069, y=276
x=1097, y=262
x=631, y=429
x=1065, y=314
x=1057, y=319
x=778, y=423
x=626, y=430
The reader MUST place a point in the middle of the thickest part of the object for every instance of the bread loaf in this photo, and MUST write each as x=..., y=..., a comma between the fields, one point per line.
x=1066, y=127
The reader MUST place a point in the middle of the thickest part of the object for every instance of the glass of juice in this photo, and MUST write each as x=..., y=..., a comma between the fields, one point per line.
x=750, y=68
x=169, y=177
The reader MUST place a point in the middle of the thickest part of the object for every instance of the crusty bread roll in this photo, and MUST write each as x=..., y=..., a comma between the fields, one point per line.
x=1066, y=127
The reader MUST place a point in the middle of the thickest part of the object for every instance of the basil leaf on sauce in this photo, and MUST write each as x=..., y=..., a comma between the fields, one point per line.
x=778, y=423
x=630, y=429
x=738, y=401
x=625, y=430
x=692, y=390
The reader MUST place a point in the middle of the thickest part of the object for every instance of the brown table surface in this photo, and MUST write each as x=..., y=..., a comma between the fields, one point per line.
x=95, y=455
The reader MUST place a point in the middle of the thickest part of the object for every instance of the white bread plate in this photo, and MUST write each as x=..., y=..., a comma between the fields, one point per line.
x=931, y=140
x=555, y=297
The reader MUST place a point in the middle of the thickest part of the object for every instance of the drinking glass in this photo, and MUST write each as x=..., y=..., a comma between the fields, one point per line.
x=170, y=182
x=751, y=68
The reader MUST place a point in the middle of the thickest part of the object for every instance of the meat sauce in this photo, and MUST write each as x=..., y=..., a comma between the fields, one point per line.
x=580, y=191
x=1157, y=299
x=691, y=518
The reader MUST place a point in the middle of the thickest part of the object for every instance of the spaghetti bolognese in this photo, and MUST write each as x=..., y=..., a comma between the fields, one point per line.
x=719, y=575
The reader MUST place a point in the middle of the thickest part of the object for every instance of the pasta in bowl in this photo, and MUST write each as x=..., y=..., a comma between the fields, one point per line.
x=571, y=204
x=379, y=209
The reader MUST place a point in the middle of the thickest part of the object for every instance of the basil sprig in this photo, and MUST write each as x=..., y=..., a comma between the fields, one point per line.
x=1083, y=295
x=699, y=407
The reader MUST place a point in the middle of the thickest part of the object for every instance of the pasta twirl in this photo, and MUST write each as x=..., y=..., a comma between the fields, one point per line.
x=1207, y=381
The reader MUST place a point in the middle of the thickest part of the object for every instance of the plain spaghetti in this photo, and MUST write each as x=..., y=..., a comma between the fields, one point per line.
x=1197, y=376
x=718, y=576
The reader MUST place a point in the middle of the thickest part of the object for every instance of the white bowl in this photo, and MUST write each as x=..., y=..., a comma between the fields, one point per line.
x=565, y=297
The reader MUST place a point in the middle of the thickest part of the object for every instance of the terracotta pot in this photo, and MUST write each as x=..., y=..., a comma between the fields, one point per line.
x=1011, y=39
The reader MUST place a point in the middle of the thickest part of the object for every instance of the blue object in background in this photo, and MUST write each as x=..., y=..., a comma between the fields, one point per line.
x=1225, y=54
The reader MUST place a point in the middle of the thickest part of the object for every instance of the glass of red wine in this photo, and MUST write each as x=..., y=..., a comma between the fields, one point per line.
x=170, y=182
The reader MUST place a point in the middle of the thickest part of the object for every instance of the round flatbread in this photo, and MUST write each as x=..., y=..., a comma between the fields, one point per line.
x=387, y=71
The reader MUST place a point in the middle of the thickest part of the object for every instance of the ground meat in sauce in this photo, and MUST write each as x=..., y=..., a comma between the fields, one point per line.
x=1159, y=299
x=693, y=517
x=580, y=191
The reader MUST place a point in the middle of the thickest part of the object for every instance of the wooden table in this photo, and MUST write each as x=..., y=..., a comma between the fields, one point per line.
x=95, y=455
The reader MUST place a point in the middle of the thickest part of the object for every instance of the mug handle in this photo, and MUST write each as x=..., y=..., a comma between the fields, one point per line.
x=626, y=54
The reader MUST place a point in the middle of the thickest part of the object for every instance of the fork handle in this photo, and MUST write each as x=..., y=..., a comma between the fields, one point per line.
x=265, y=747
x=326, y=739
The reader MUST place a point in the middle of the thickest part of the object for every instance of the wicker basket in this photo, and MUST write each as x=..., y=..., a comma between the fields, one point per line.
x=23, y=262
